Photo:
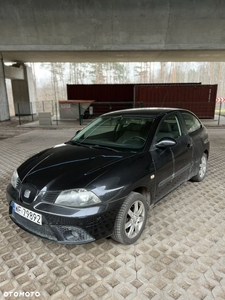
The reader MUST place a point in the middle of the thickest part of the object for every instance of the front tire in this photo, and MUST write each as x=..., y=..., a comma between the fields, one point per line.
x=131, y=219
x=202, y=169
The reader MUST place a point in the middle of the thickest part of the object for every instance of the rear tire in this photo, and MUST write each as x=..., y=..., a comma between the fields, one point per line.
x=202, y=169
x=131, y=219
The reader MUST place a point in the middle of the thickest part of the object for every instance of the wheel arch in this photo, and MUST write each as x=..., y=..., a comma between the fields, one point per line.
x=144, y=192
x=207, y=153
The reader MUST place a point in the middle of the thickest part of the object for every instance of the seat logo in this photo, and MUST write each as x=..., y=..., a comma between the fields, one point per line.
x=27, y=194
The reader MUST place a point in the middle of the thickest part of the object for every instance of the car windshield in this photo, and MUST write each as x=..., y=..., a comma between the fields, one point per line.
x=119, y=133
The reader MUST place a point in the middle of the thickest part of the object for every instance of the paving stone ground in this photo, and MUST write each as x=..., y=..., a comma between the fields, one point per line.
x=181, y=254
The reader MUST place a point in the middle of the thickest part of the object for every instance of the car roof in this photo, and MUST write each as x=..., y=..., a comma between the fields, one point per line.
x=148, y=111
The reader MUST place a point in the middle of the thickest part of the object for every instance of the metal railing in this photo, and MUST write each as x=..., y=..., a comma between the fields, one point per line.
x=29, y=112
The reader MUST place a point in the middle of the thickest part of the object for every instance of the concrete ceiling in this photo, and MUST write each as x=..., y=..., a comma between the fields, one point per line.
x=114, y=56
x=112, y=31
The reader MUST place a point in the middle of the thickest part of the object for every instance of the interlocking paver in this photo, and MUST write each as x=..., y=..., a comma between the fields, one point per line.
x=181, y=254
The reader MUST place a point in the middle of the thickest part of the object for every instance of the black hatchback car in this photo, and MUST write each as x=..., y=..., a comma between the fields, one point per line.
x=102, y=181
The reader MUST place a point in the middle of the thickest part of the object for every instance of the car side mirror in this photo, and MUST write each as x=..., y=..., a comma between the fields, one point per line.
x=165, y=143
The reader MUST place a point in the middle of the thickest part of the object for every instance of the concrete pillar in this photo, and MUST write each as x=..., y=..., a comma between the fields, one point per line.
x=23, y=93
x=4, y=105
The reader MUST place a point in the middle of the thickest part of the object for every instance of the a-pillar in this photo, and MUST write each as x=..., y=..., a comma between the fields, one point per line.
x=4, y=105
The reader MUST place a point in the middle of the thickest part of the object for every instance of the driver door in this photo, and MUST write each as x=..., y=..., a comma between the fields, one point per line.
x=172, y=163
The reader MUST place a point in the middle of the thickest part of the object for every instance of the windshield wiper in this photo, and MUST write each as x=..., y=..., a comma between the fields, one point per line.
x=78, y=144
x=104, y=147
x=91, y=146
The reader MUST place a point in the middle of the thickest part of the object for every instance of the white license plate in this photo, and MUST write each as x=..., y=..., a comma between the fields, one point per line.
x=27, y=214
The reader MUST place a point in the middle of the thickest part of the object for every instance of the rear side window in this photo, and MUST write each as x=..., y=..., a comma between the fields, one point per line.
x=192, y=123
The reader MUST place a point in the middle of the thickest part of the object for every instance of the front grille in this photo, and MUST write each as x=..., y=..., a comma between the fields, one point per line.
x=28, y=193
x=50, y=197
x=40, y=230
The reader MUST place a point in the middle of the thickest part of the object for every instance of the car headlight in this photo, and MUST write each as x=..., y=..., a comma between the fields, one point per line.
x=77, y=198
x=14, y=179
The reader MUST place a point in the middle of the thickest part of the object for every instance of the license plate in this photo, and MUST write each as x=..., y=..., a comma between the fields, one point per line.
x=27, y=214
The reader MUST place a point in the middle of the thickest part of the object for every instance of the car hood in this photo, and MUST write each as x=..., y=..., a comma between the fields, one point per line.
x=68, y=166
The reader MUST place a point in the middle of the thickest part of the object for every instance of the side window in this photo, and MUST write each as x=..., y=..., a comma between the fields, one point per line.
x=169, y=127
x=192, y=123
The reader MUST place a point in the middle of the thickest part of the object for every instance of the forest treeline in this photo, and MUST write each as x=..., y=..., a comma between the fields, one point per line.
x=50, y=79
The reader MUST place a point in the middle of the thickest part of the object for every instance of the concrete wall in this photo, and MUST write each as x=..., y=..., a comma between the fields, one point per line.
x=4, y=106
x=14, y=71
x=24, y=92
x=78, y=25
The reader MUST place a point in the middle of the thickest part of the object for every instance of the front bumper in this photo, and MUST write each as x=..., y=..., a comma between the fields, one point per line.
x=67, y=225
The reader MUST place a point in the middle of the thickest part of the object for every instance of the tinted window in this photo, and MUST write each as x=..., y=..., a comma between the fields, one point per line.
x=170, y=127
x=192, y=123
